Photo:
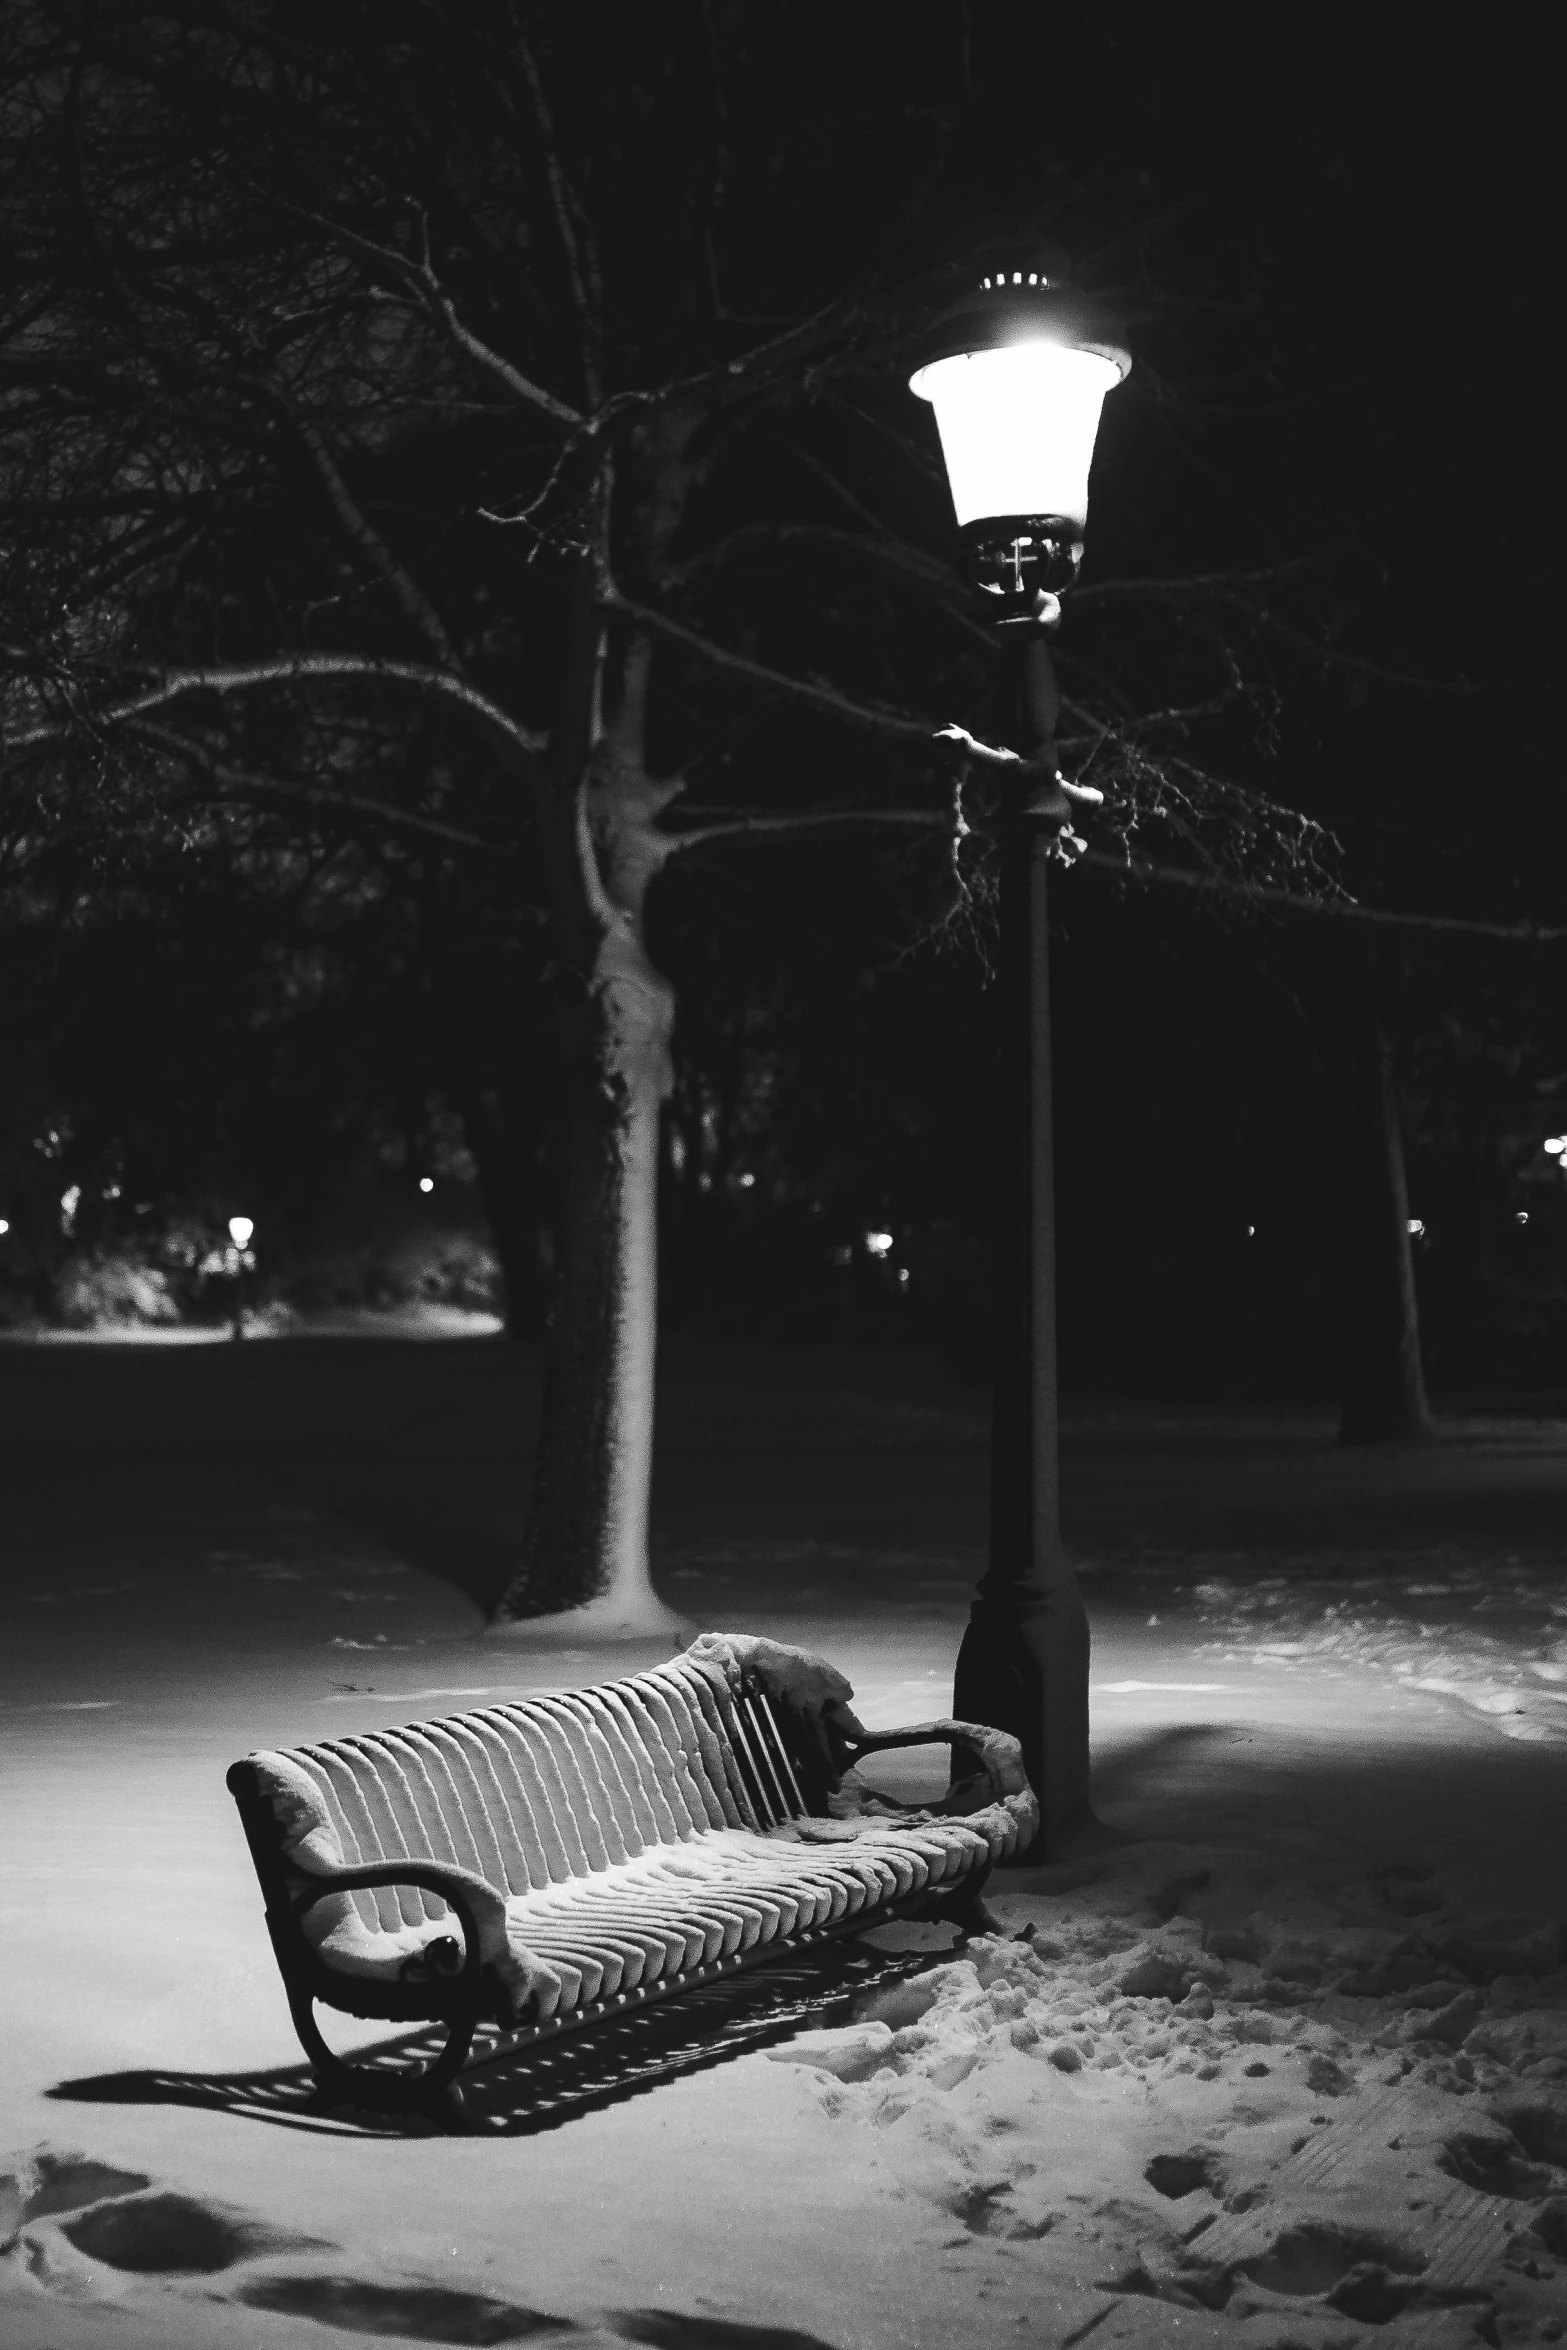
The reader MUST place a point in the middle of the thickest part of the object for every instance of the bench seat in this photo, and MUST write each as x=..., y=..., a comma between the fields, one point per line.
x=531, y=1865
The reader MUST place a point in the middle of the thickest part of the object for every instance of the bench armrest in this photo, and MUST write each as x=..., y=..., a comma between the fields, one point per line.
x=990, y=1746
x=1000, y=1780
x=456, y=1887
x=919, y=1734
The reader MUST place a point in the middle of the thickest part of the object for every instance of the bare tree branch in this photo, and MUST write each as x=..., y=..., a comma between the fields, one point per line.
x=432, y=298
x=1101, y=591
x=1141, y=869
x=807, y=820
x=241, y=784
x=575, y=236
x=1223, y=588
x=1144, y=869
x=284, y=668
x=893, y=553
x=866, y=715
x=415, y=603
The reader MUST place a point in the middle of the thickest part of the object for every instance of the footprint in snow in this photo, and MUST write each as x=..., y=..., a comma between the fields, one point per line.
x=47, y=2182
x=68, y=2220
x=74, y=2226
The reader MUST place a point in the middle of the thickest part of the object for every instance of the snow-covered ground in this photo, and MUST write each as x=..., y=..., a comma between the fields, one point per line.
x=1287, y=2066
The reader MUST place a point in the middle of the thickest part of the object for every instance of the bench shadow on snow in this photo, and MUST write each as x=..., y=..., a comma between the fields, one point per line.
x=543, y=2087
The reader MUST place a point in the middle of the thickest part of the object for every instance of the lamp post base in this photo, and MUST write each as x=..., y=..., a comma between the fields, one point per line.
x=1023, y=1667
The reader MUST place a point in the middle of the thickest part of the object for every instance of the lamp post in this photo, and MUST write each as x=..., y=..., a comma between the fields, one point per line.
x=1017, y=376
x=240, y=1260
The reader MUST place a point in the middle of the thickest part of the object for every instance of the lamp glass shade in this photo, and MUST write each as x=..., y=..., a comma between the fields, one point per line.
x=1017, y=427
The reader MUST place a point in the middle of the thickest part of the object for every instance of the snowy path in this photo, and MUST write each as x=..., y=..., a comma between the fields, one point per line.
x=1298, y=1930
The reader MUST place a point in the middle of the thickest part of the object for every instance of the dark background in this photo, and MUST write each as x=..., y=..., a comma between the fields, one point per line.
x=1329, y=249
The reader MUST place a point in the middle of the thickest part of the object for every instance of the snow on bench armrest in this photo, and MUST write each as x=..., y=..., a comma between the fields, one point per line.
x=341, y=1937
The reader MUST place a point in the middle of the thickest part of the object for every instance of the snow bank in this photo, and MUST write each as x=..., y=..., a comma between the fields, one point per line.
x=1163, y=2040
x=1489, y=1634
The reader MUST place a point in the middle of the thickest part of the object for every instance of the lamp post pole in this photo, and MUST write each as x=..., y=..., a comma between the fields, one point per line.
x=1017, y=373
x=1023, y=1663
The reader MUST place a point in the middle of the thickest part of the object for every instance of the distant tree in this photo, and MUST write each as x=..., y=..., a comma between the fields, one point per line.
x=208, y=1026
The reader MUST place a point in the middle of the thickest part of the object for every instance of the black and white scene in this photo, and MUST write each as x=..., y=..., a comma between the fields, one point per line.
x=783, y=1178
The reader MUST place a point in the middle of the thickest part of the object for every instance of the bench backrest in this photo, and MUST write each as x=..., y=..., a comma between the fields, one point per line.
x=552, y=1788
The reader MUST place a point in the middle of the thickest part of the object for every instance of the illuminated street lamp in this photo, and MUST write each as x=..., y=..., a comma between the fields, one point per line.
x=1018, y=375
x=240, y=1262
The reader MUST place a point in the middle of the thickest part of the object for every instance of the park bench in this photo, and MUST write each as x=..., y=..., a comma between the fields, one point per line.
x=530, y=1869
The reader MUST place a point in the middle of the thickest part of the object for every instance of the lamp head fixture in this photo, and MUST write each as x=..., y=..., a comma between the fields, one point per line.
x=1017, y=373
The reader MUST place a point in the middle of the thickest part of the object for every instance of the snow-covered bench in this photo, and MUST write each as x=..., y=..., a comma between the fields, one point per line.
x=518, y=1871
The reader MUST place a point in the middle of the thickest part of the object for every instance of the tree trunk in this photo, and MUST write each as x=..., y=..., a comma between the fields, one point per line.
x=584, y=1569
x=1384, y=1394
x=585, y=1548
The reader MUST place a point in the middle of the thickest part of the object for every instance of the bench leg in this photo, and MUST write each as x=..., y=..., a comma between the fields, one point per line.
x=965, y=1906
x=342, y=2082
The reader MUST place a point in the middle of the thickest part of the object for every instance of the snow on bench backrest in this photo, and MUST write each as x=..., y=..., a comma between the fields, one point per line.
x=538, y=1792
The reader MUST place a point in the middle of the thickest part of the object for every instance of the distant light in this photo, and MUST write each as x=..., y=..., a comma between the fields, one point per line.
x=111, y=1191
x=1556, y=1144
x=1417, y=1230
x=1520, y=1216
x=745, y=1181
x=427, y=1183
x=879, y=1243
x=4, y=1225
x=70, y=1201
x=240, y=1230
x=1251, y=1232
x=903, y=1276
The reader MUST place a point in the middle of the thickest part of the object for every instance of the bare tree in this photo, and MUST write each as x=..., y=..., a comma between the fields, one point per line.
x=409, y=427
